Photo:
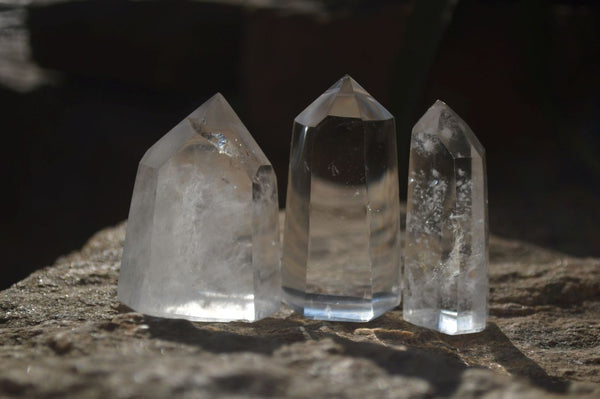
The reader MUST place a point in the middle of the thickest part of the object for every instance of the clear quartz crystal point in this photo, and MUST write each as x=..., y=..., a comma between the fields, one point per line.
x=202, y=238
x=446, y=253
x=341, y=249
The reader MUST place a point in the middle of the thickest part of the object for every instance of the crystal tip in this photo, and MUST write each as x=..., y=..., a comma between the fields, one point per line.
x=217, y=96
x=346, y=85
x=346, y=99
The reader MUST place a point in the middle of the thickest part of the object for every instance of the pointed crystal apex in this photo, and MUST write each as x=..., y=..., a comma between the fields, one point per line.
x=216, y=110
x=216, y=122
x=345, y=85
x=217, y=119
x=202, y=234
x=449, y=128
x=346, y=99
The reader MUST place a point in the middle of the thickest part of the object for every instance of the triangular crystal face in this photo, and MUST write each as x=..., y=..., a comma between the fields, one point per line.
x=214, y=123
x=346, y=99
x=202, y=234
x=447, y=127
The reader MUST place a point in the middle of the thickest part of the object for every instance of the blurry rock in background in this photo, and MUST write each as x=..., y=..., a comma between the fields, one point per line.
x=87, y=86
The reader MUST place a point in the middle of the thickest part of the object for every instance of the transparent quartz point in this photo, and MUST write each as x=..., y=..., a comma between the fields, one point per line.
x=446, y=254
x=202, y=238
x=341, y=250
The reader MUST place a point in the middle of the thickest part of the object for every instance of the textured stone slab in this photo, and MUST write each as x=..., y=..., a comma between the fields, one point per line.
x=64, y=334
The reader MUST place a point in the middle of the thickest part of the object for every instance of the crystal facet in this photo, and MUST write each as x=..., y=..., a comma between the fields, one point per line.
x=341, y=249
x=446, y=254
x=202, y=238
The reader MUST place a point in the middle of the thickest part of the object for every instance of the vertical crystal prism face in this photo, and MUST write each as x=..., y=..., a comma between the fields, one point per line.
x=446, y=254
x=202, y=238
x=341, y=250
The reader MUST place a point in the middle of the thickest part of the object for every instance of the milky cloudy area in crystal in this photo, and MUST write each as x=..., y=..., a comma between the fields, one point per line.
x=446, y=251
x=341, y=249
x=202, y=239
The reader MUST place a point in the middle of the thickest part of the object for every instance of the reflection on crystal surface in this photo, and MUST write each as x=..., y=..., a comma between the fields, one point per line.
x=202, y=237
x=446, y=254
x=341, y=252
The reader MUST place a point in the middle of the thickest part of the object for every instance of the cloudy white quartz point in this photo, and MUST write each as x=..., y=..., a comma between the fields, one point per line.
x=202, y=239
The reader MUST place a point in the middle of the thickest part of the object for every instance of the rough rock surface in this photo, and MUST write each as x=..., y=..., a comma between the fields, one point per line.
x=64, y=334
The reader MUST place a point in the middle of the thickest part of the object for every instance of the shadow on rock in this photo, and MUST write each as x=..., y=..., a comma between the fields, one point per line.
x=403, y=349
x=494, y=345
x=441, y=371
x=264, y=336
x=309, y=341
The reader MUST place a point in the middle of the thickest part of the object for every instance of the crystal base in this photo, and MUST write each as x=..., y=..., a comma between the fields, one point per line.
x=447, y=321
x=213, y=307
x=338, y=308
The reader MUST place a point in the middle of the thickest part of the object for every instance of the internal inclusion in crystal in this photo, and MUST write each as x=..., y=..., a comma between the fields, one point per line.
x=340, y=252
x=202, y=237
x=446, y=254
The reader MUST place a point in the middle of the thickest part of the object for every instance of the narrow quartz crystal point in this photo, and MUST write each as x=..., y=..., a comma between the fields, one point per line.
x=341, y=250
x=446, y=254
x=202, y=238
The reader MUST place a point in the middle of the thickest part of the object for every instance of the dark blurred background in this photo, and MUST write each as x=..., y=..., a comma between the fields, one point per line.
x=87, y=86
